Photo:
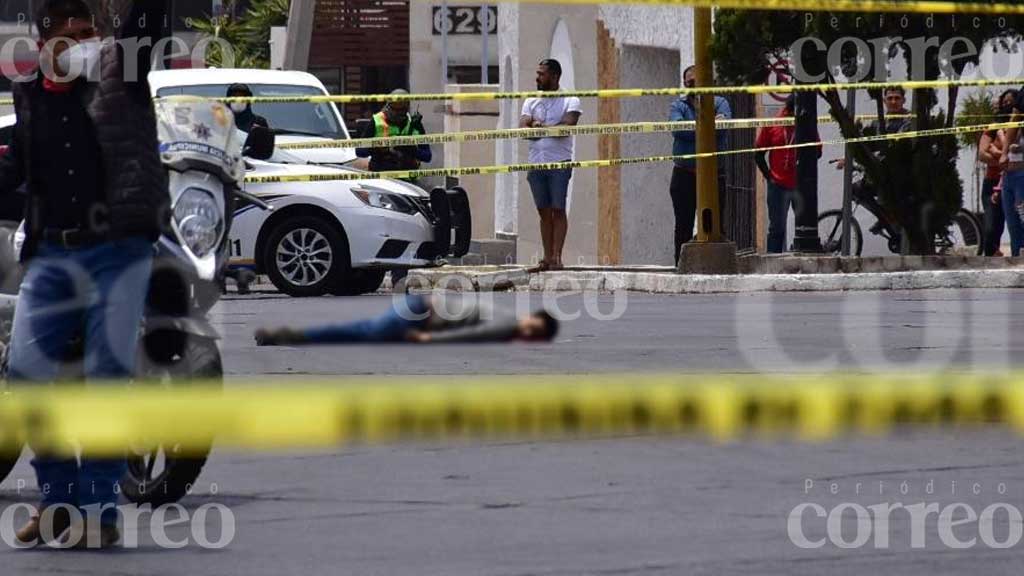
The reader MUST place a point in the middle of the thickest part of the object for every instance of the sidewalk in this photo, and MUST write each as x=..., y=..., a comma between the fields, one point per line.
x=758, y=274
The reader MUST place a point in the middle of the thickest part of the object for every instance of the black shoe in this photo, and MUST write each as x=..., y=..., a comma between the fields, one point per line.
x=278, y=337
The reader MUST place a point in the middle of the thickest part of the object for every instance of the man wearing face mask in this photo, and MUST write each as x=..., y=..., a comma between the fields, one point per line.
x=394, y=120
x=245, y=118
x=85, y=148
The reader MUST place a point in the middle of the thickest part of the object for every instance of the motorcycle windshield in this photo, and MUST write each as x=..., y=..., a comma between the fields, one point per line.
x=193, y=132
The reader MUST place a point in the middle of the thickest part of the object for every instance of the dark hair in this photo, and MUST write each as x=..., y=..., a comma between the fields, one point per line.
x=790, y=102
x=239, y=89
x=550, y=324
x=899, y=89
x=688, y=68
x=552, y=65
x=53, y=12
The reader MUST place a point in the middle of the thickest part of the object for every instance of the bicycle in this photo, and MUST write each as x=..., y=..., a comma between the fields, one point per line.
x=963, y=235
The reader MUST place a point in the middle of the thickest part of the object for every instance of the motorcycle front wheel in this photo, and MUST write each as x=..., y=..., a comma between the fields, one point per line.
x=162, y=475
x=8, y=458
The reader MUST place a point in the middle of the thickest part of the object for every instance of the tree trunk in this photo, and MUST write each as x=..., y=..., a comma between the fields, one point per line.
x=921, y=240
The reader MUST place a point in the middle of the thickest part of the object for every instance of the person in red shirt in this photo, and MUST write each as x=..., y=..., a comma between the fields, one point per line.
x=779, y=170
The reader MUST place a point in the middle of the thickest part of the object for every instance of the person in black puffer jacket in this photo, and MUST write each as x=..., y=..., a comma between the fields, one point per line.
x=85, y=149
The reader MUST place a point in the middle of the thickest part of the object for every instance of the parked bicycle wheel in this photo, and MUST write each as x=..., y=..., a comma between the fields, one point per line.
x=830, y=230
x=965, y=236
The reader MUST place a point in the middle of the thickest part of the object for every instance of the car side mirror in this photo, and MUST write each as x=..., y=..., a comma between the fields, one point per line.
x=259, y=144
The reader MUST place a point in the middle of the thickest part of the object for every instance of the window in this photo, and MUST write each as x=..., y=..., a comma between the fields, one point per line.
x=293, y=117
x=471, y=74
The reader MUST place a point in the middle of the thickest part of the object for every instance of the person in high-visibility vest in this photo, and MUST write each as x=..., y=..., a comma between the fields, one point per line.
x=394, y=120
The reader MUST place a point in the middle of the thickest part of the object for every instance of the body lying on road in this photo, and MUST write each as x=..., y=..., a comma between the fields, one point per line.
x=423, y=319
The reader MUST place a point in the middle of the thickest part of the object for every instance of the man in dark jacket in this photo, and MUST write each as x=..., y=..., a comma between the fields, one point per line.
x=85, y=148
x=394, y=120
x=245, y=118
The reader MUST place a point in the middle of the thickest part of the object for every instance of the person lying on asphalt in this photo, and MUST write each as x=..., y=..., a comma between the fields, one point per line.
x=423, y=319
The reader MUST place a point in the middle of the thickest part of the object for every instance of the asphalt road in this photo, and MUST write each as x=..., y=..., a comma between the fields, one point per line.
x=633, y=505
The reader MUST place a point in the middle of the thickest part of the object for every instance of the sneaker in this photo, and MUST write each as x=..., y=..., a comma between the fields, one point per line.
x=31, y=534
x=278, y=337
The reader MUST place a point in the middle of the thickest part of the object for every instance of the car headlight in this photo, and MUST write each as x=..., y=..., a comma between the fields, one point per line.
x=199, y=220
x=385, y=200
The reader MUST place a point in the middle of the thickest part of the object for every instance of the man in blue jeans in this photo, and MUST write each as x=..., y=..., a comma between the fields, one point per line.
x=1012, y=161
x=85, y=148
x=423, y=319
x=779, y=171
x=550, y=188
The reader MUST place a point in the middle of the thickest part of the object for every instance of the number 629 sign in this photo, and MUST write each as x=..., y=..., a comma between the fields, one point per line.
x=465, y=20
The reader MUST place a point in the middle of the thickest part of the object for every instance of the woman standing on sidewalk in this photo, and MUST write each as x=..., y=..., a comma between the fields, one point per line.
x=1012, y=160
x=990, y=151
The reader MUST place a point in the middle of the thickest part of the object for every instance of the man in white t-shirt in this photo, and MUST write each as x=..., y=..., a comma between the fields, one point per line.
x=550, y=187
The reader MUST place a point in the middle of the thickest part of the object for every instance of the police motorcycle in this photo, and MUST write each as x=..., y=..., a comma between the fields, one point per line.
x=203, y=154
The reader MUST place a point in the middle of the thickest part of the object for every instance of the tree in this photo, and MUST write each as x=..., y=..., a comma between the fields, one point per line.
x=919, y=188
x=246, y=31
x=979, y=108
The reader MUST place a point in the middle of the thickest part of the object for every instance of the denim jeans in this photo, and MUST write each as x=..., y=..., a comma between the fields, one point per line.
x=1013, y=194
x=780, y=200
x=408, y=314
x=995, y=220
x=99, y=291
x=550, y=188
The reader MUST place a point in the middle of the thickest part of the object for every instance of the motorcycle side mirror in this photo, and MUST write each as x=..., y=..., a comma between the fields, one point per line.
x=259, y=144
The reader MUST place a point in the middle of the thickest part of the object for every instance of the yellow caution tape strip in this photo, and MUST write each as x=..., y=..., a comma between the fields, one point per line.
x=890, y=6
x=609, y=93
x=810, y=408
x=512, y=168
x=606, y=93
x=557, y=132
x=534, y=133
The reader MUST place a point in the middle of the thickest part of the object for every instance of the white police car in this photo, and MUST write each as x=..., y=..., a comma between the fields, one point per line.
x=336, y=237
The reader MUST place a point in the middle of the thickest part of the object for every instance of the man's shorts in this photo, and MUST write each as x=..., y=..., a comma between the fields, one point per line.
x=550, y=187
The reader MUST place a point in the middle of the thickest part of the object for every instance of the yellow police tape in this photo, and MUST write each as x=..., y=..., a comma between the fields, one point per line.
x=607, y=93
x=533, y=133
x=810, y=408
x=562, y=131
x=891, y=6
x=512, y=168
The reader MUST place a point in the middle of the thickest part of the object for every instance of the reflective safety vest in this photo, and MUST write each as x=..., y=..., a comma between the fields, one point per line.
x=384, y=130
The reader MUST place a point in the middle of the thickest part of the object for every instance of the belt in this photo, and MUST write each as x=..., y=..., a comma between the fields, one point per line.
x=75, y=238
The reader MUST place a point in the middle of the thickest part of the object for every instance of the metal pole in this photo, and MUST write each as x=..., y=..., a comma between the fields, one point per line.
x=444, y=44
x=707, y=167
x=485, y=60
x=851, y=107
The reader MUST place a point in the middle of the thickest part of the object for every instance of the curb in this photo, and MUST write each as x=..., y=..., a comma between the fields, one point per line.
x=668, y=283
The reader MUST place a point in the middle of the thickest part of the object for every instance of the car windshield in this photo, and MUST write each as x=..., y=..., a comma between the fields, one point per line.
x=287, y=118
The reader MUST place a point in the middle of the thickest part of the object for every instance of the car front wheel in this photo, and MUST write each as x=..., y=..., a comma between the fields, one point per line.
x=306, y=256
